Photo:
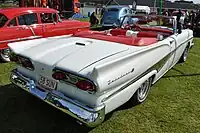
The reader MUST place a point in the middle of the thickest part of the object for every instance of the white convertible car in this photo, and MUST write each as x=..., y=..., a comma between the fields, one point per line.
x=90, y=73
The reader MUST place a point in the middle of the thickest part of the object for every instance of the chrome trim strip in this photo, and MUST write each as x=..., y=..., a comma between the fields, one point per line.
x=182, y=42
x=20, y=39
x=32, y=31
x=71, y=28
x=87, y=115
x=158, y=66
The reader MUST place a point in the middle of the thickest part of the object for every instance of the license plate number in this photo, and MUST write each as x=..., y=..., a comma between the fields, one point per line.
x=47, y=83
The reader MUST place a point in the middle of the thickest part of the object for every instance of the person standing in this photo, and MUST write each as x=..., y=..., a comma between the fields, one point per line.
x=44, y=3
x=93, y=19
x=178, y=19
x=37, y=3
x=192, y=19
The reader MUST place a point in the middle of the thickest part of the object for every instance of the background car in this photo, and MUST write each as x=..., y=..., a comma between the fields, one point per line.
x=20, y=24
x=113, y=15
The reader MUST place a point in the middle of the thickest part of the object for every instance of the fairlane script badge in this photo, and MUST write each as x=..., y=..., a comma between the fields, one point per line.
x=121, y=76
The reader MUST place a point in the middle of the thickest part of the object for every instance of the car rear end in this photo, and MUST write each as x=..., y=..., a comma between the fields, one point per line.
x=62, y=77
x=55, y=86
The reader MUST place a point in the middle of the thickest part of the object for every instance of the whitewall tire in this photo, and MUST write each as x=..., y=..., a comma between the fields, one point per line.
x=142, y=92
x=184, y=55
x=4, y=55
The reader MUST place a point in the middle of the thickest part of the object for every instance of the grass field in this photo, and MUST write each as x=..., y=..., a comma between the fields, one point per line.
x=173, y=106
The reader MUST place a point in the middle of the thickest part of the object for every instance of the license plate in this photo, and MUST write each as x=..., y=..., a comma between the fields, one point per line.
x=47, y=83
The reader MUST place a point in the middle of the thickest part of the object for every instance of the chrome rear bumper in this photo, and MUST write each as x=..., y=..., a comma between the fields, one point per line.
x=86, y=115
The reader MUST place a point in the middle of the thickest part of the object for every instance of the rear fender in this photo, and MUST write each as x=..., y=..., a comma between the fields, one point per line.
x=122, y=95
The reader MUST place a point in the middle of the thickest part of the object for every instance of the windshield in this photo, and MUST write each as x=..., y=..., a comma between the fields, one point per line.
x=110, y=15
x=153, y=21
x=161, y=21
x=3, y=20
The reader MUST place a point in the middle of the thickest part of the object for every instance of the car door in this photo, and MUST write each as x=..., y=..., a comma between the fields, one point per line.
x=178, y=44
x=49, y=22
x=172, y=54
x=29, y=26
x=9, y=33
x=54, y=27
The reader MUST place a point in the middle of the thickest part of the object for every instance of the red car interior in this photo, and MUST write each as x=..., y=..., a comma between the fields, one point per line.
x=120, y=38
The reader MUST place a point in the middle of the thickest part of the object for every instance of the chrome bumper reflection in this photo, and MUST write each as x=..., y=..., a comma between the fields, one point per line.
x=89, y=116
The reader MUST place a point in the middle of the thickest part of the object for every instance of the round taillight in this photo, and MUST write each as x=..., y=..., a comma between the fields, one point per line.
x=59, y=75
x=26, y=63
x=85, y=85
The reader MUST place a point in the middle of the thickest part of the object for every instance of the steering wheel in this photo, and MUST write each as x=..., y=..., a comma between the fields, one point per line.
x=127, y=27
x=131, y=27
x=136, y=27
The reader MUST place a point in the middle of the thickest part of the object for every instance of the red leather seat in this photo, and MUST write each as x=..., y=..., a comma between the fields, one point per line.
x=132, y=41
x=147, y=34
x=116, y=32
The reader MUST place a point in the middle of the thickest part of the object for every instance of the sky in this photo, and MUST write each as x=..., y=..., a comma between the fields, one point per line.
x=195, y=1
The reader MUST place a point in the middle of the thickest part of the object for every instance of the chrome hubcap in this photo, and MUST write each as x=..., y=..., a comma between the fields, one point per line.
x=143, y=90
x=6, y=52
x=185, y=54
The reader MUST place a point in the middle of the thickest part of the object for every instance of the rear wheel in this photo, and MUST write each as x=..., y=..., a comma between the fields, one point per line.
x=141, y=94
x=4, y=55
x=184, y=55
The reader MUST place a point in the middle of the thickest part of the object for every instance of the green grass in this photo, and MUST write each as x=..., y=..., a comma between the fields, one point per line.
x=83, y=19
x=173, y=105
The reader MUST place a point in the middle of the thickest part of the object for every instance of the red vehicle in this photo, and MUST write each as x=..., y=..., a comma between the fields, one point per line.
x=20, y=24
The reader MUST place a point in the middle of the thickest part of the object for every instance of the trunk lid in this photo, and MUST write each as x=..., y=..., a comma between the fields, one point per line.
x=74, y=54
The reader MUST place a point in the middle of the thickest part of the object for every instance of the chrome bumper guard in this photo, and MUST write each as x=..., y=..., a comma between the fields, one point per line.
x=86, y=115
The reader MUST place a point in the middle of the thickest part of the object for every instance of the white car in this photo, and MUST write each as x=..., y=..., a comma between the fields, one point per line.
x=92, y=73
